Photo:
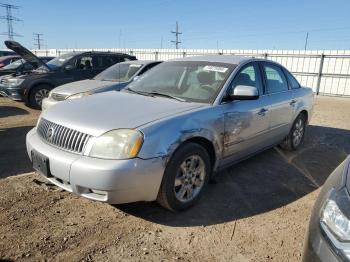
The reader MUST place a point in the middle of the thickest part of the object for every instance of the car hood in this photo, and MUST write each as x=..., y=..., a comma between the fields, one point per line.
x=82, y=86
x=25, y=53
x=103, y=112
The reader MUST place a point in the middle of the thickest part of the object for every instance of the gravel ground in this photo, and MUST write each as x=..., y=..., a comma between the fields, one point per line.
x=257, y=211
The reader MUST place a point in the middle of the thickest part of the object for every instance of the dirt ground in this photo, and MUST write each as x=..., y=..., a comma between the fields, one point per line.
x=257, y=211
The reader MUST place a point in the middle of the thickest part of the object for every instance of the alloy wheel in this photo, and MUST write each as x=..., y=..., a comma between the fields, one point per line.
x=298, y=132
x=40, y=95
x=190, y=178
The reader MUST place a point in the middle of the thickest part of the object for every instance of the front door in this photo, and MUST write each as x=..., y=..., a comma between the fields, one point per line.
x=246, y=121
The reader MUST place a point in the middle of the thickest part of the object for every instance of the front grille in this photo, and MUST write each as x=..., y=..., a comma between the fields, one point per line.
x=62, y=137
x=59, y=97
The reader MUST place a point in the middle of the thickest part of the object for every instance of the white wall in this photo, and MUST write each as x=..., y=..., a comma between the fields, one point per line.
x=305, y=65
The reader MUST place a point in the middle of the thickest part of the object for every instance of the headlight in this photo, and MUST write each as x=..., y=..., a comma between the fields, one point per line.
x=336, y=221
x=79, y=95
x=117, y=144
x=13, y=82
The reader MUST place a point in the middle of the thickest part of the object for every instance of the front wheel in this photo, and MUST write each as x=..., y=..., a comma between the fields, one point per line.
x=185, y=177
x=37, y=95
x=296, y=135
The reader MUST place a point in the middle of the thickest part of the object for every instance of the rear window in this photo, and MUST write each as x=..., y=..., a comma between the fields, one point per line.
x=294, y=84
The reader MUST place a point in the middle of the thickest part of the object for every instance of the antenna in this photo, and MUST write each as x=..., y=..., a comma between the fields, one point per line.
x=38, y=40
x=9, y=18
x=177, y=33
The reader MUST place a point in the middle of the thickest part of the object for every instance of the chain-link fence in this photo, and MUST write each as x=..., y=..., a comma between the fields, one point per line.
x=327, y=72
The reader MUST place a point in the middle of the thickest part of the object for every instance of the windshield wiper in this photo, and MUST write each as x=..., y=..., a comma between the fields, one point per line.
x=138, y=92
x=156, y=93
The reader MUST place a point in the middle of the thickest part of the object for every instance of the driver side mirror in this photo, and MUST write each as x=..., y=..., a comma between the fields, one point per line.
x=68, y=67
x=242, y=92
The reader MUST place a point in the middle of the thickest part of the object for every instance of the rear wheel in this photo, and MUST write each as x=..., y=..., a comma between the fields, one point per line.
x=185, y=177
x=296, y=135
x=37, y=94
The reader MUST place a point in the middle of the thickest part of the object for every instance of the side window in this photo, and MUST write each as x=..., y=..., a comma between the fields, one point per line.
x=85, y=63
x=275, y=79
x=294, y=84
x=248, y=76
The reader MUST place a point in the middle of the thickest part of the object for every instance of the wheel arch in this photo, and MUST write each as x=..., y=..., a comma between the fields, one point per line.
x=35, y=84
x=206, y=144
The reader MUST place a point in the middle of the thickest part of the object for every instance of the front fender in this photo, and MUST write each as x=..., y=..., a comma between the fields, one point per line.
x=161, y=139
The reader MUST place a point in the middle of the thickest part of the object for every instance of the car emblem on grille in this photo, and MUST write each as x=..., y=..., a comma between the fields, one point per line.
x=50, y=133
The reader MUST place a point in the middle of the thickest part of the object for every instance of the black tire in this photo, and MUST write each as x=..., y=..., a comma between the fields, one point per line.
x=167, y=196
x=289, y=143
x=35, y=92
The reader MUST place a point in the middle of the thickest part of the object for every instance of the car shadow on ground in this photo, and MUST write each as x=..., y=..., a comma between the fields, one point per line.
x=260, y=184
x=7, y=111
x=13, y=155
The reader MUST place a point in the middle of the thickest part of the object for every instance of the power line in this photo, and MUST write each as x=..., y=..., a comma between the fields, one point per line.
x=177, y=33
x=9, y=18
x=38, y=40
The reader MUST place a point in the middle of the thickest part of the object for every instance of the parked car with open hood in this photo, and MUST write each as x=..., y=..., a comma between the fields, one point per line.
x=165, y=134
x=33, y=87
x=21, y=66
x=114, y=78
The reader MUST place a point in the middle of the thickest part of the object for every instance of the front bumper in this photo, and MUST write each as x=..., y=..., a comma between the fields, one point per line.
x=318, y=247
x=14, y=93
x=111, y=181
x=48, y=102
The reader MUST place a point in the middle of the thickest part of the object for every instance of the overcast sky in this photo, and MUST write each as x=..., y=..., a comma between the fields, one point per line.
x=253, y=24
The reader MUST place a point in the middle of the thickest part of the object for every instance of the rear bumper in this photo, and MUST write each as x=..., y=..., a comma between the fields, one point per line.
x=111, y=181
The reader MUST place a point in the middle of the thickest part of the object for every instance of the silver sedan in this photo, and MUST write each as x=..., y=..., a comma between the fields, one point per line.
x=165, y=135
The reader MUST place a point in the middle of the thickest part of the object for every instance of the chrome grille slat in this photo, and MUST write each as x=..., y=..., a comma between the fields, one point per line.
x=62, y=137
x=80, y=147
x=77, y=142
x=66, y=139
x=70, y=139
x=64, y=132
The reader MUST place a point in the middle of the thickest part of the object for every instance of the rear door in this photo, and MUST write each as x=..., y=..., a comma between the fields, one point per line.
x=246, y=121
x=281, y=100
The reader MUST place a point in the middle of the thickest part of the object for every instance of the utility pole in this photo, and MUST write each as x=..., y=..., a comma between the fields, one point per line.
x=37, y=40
x=177, y=33
x=306, y=39
x=9, y=18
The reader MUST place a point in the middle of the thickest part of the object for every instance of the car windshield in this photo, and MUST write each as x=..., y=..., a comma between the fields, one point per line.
x=122, y=72
x=58, y=61
x=15, y=64
x=193, y=81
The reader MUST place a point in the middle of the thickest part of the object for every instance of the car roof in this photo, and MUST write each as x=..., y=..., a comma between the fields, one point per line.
x=229, y=59
x=73, y=53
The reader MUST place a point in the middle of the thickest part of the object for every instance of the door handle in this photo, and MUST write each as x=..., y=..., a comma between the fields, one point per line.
x=293, y=102
x=262, y=111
